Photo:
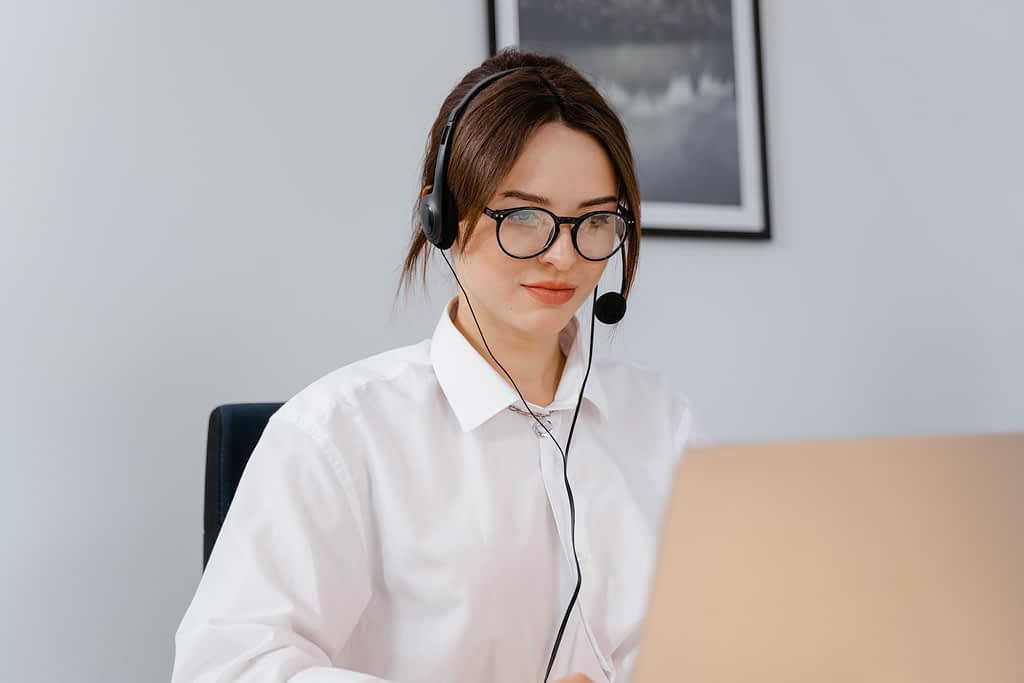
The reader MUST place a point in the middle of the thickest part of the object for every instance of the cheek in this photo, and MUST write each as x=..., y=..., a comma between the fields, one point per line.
x=487, y=267
x=588, y=277
x=594, y=271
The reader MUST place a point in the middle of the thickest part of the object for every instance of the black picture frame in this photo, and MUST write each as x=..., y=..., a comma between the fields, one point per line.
x=709, y=110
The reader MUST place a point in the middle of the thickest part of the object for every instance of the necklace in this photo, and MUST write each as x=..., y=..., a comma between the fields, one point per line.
x=541, y=415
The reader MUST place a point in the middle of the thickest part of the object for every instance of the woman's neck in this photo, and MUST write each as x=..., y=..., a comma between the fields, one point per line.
x=535, y=364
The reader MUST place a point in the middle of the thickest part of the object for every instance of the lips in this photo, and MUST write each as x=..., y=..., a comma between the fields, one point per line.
x=550, y=292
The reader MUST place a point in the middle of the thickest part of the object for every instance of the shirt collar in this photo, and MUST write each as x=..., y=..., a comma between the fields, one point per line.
x=477, y=392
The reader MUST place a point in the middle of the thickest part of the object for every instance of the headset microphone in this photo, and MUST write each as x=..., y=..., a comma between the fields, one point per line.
x=611, y=306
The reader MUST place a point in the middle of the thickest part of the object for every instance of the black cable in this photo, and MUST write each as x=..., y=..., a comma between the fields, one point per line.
x=564, y=453
x=572, y=506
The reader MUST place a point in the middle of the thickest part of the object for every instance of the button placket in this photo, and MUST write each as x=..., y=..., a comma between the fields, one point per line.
x=550, y=461
x=583, y=552
x=551, y=465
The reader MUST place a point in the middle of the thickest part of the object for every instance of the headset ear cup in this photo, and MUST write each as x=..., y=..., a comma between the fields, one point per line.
x=428, y=218
x=448, y=222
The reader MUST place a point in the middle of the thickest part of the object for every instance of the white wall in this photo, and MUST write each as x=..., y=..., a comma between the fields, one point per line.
x=208, y=202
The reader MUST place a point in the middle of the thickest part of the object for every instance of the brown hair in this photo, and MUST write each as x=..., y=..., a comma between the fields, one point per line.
x=493, y=129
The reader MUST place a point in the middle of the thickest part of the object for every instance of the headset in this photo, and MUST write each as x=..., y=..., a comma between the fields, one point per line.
x=439, y=221
x=439, y=215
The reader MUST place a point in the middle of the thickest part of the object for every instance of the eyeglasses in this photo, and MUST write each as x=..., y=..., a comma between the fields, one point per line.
x=528, y=231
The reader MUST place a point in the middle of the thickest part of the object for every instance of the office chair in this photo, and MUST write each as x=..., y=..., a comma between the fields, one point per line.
x=233, y=432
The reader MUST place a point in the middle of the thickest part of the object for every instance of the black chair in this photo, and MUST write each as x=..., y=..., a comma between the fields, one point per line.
x=232, y=436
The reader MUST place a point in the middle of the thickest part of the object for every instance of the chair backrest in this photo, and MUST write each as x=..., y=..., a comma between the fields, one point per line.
x=233, y=432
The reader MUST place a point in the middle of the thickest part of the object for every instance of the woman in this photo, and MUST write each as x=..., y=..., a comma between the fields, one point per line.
x=416, y=516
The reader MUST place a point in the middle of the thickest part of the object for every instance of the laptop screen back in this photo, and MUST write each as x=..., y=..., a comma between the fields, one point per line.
x=873, y=560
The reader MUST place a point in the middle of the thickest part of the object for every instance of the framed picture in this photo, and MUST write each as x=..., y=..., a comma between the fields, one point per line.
x=685, y=78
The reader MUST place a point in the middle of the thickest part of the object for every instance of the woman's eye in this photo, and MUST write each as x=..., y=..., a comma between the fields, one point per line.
x=525, y=218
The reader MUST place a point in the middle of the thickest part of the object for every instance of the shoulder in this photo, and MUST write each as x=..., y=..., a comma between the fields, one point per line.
x=630, y=382
x=644, y=395
x=390, y=379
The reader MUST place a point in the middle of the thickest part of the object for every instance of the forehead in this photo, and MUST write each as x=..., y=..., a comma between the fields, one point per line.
x=563, y=164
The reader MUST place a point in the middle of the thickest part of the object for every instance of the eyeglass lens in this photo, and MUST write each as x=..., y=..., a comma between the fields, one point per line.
x=525, y=232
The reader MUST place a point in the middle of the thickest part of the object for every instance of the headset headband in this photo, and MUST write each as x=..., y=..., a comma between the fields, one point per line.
x=439, y=217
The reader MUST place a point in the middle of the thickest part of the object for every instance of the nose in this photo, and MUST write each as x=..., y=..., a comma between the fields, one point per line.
x=562, y=255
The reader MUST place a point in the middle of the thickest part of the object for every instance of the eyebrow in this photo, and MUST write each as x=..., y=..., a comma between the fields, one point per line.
x=537, y=199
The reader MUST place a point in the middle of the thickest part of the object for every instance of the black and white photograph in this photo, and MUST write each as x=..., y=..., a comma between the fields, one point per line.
x=684, y=76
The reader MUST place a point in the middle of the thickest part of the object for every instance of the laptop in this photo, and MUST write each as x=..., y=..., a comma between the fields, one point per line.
x=882, y=561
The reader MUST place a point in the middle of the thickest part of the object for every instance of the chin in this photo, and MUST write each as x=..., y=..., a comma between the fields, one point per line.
x=547, y=321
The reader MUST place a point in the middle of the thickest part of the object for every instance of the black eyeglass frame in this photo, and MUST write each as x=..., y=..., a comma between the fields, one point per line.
x=576, y=221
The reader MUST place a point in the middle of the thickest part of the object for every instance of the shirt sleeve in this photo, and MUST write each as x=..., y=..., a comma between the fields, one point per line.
x=288, y=578
x=686, y=434
x=688, y=431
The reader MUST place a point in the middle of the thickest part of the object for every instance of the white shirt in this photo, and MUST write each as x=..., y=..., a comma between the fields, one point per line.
x=399, y=521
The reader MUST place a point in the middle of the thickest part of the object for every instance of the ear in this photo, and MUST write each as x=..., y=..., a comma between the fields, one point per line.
x=426, y=190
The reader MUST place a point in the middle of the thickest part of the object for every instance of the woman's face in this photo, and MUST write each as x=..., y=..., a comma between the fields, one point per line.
x=568, y=173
